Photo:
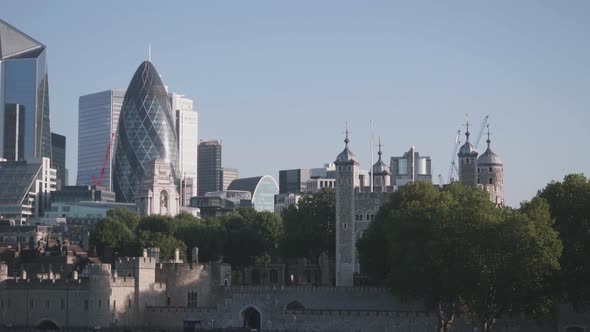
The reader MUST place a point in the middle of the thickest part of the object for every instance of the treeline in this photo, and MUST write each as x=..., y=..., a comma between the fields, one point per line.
x=457, y=252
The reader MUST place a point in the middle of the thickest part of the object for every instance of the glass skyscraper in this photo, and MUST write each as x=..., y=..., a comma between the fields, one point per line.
x=24, y=90
x=58, y=159
x=145, y=133
x=187, y=129
x=209, y=178
x=98, y=118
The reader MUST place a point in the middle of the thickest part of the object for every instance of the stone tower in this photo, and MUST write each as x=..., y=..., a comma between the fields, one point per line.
x=467, y=161
x=347, y=182
x=490, y=174
x=381, y=173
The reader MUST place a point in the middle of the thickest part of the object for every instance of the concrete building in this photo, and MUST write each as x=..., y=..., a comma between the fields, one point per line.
x=70, y=194
x=316, y=184
x=85, y=212
x=146, y=132
x=157, y=193
x=187, y=129
x=25, y=188
x=263, y=190
x=98, y=119
x=228, y=175
x=219, y=203
x=283, y=201
x=58, y=159
x=293, y=180
x=209, y=170
x=24, y=96
x=328, y=171
x=410, y=167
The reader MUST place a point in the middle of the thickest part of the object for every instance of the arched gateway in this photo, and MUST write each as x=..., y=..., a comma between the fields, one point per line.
x=251, y=318
x=46, y=325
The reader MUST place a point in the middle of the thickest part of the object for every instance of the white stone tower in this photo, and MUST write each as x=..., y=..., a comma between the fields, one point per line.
x=347, y=181
x=490, y=174
x=467, y=161
x=381, y=173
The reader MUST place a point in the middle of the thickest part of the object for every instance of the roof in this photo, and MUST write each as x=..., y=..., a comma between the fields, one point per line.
x=380, y=167
x=16, y=44
x=346, y=156
x=245, y=184
x=16, y=180
x=489, y=158
x=467, y=148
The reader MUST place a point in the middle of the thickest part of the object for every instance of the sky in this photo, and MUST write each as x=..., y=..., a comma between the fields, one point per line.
x=276, y=80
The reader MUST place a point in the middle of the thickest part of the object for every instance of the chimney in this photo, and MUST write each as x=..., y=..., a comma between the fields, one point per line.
x=176, y=255
x=145, y=253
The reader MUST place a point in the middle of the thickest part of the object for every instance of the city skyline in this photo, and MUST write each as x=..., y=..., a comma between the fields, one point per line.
x=294, y=75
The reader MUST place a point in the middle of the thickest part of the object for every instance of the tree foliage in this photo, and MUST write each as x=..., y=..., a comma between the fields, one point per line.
x=455, y=250
x=310, y=226
x=569, y=202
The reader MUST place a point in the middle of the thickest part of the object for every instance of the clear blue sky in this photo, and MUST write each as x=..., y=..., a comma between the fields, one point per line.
x=276, y=80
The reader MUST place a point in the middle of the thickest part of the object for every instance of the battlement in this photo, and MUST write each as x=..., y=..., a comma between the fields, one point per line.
x=45, y=284
x=122, y=281
x=128, y=263
x=307, y=290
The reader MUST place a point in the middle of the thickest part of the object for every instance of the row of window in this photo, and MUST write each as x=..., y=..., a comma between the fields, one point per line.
x=367, y=217
x=62, y=304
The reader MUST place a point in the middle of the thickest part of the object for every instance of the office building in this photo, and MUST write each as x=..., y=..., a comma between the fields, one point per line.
x=24, y=96
x=25, y=188
x=98, y=118
x=328, y=171
x=209, y=169
x=145, y=134
x=92, y=193
x=228, y=175
x=293, y=180
x=410, y=167
x=187, y=128
x=262, y=188
x=58, y=159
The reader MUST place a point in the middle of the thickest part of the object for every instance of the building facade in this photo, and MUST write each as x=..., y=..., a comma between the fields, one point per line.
x=58, y=159
x=228, y=175
x=209, y=169
x=98, y=119
x=263, y=190
x=157, y=193
x=293, y=180
x=410, y=167
x=146, y=132
x=24, y=96
x=187, y=129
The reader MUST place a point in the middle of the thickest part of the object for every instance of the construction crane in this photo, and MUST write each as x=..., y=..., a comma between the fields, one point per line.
x=453, y=165
x=107, y=157
x=481, y=129
x=441, y=181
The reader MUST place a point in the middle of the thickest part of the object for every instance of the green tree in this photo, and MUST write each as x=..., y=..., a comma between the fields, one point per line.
x=454, y=250
x=310, y=226
x=166, y=242
x=569, y=202
x=111, y=233
x=126, y=216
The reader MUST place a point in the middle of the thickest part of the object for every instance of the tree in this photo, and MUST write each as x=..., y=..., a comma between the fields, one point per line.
x=111, y=233
x=454, y=250
x=310, y=226
x=126, y=216
x=569, y=202
x=166, y=242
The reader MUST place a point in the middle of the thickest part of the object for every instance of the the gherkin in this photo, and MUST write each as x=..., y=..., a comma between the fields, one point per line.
x=145, y=132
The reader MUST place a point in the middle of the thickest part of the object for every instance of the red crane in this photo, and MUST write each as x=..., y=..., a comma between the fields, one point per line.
x=104, y=164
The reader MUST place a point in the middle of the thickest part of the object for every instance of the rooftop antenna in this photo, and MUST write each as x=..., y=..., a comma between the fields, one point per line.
x=371, y=166
x=150, y=52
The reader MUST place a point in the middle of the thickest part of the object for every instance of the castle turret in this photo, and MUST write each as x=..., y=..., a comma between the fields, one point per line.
x=381, y=173
x=467, y=161
x=347, y=181
x=490, y=174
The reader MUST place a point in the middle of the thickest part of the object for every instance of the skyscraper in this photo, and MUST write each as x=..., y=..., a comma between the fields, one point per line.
x=209, y=178
x=58, y=159
x=98, y=118
x=228, y=175
x=410, y=167
x=187, y=128
x=145, y=134
x=293, y=180
x=23, y=82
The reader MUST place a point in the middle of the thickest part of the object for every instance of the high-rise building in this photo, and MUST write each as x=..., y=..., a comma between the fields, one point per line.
x=58, y=159
x=410, y=167
x=228, y=175
x=209, y=176
x=23, y=82
x=263, y=190
x=98, y=118
x=145, y=134
x=293, y=180
x=187, y=128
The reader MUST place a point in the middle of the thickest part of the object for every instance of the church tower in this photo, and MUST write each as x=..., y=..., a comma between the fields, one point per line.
x=490, y=174
x=381, y=173
x=347, y=182
x=467, y=161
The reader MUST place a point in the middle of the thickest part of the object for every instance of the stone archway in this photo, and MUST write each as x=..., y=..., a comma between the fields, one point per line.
x=46, y=325
x=251, y=318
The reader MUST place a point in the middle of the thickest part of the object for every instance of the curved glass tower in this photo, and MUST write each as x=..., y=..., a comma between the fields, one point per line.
x=145, y=132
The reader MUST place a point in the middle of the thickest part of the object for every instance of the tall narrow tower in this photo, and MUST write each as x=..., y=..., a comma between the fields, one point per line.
x=491, y=174
x=381, y=173
x=467, y=161
x=347, y=180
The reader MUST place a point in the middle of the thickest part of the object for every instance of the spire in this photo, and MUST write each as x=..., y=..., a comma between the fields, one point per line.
x=467, y=131
x=150, y=52
x=346, y=140
x=379, y=145
x=488, y=141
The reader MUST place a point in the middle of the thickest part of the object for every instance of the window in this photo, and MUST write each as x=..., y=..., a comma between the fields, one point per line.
x=192, y=299
x=129, y=303
x=62, y=304
x=274, y=276
x=47, y=304
x=368, y=217
x=478, y=170
x=85, y=304
x=490, y=181
x=114, y=304
x=344, y=225
x=467, y=161
x=31, y=303
x=99, y=304
x=490, y=169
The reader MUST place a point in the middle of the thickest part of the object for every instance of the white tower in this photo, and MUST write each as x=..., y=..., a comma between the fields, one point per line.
x=467, y=161
x=381, y=173
x=347, y=181
x=490, y=174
